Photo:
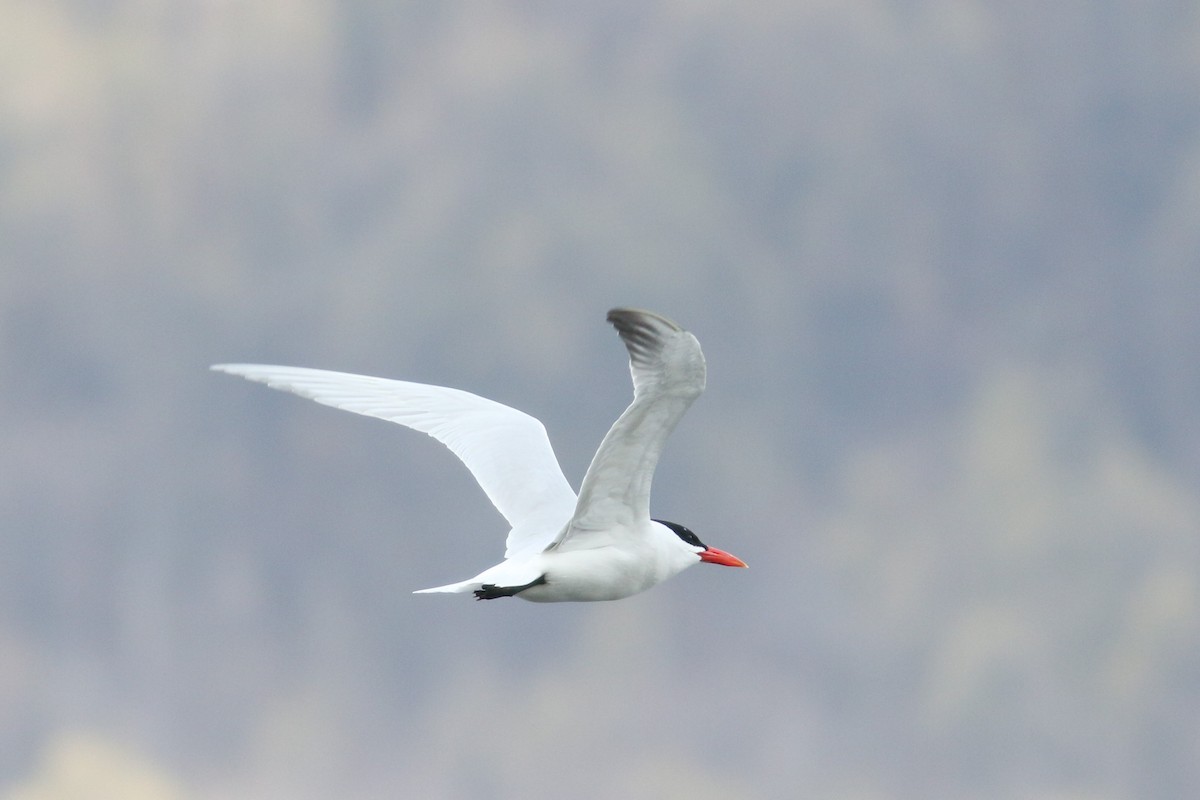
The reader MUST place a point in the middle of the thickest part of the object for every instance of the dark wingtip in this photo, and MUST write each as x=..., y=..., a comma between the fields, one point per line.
x=622, y=318
x=642, y=331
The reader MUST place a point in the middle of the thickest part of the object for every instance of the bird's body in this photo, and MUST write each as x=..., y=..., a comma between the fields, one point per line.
x=599, y=545
x=643, y=559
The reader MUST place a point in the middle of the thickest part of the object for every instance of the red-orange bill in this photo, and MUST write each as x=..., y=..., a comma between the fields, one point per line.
x=714, y=556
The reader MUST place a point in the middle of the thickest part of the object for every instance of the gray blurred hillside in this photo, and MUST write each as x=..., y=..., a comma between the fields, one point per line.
x=944, y=260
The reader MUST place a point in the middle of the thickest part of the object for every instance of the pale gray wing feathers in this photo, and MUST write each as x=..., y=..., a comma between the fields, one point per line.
x=506, y=450
x=668, y=375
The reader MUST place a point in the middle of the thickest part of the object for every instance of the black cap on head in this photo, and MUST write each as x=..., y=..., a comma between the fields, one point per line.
x=683, y=533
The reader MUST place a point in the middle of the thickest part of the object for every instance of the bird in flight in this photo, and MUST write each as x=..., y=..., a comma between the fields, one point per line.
x=599, y=545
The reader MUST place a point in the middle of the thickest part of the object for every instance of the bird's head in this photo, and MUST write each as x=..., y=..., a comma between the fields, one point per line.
x=709, y=555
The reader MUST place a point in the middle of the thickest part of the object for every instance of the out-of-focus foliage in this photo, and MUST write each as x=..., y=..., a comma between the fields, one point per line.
x=79, y=766
x=944, y=260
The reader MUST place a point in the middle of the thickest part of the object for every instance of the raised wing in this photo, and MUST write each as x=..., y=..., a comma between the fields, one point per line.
x=668, y=375
x=506, y=450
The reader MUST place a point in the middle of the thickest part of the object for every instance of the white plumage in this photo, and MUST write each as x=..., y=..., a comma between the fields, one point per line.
x=601, y=545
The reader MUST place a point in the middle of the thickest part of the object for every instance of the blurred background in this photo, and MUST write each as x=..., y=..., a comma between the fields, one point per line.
x=944, y=260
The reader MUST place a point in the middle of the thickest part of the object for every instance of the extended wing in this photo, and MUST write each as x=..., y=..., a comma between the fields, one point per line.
x=506, y=450
x=668, y=375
